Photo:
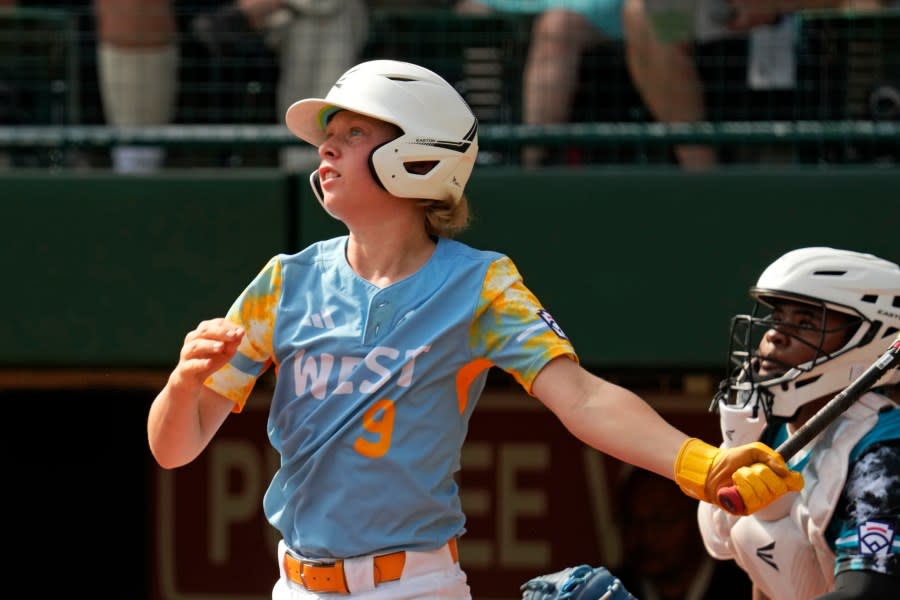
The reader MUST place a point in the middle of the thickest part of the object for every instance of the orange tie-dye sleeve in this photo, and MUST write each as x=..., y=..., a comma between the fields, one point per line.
x=255, y=310
x=512, y=329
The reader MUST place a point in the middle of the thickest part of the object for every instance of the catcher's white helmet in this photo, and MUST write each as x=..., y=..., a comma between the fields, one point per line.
x=437, y=126
x=863, y=286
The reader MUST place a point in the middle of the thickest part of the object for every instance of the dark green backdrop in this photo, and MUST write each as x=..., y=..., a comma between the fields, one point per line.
x=641, y=268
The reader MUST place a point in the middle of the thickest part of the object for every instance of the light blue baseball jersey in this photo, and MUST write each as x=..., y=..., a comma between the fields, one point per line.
x=375, y=388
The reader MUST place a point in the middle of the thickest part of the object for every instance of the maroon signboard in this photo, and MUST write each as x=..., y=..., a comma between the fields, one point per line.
x=536, y=498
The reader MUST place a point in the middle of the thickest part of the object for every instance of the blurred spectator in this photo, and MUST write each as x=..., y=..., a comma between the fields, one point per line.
x=136, y=44
x=315, y=42
x=137, y=66
x=561, y=32
x=664, y=70
x=664, y=556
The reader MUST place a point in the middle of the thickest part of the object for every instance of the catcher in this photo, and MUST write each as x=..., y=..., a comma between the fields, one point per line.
x=821, y=316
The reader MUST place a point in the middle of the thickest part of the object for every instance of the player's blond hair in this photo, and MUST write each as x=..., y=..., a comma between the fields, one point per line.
x=446, y=218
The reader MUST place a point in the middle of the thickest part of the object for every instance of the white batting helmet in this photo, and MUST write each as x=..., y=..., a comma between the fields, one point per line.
x=437, y=126
x=863, y=286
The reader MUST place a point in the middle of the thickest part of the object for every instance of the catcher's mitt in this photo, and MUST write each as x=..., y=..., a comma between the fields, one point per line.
x=576, y=583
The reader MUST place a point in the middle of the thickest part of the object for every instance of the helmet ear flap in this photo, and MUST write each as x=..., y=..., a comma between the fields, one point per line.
x=445, y=172
x=374, y=170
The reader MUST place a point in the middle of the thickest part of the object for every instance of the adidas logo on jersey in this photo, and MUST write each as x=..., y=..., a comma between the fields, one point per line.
x=320, y=320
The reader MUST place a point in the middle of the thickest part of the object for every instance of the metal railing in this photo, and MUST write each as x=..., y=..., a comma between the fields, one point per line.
x=490, y=135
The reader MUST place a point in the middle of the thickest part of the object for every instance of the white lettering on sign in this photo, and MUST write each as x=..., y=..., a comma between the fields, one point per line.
x=605, y=526
x=477, y=457
x=505, y=548
x=230, y=461
x=520, y=502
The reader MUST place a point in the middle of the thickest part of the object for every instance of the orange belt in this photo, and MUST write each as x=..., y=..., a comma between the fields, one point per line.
x=329, y=577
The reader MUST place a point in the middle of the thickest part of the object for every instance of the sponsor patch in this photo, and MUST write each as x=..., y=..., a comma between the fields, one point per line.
x=552, y=324
x=876, y=538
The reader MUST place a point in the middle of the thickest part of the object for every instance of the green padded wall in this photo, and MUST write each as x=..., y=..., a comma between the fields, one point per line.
x=642, y=268
x=113, y=270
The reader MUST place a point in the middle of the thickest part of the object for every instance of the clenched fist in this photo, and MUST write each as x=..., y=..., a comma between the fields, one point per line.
x=209, y=346
x=758, y=472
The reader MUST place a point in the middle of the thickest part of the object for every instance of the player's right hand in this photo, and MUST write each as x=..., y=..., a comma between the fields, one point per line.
x=206, y=349
x=760, y=484
x=759, y=473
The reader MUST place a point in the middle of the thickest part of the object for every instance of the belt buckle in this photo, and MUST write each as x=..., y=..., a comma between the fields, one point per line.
x=312, y=562
x=334, y=580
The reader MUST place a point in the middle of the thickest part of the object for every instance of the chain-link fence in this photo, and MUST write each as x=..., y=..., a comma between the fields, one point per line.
x=832, y=94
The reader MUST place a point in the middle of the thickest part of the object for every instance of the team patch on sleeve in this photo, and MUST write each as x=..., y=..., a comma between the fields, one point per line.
x=876, y=538
x=552, y=324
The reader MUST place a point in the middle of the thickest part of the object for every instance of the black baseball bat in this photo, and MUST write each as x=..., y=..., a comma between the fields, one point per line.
x=728, y=496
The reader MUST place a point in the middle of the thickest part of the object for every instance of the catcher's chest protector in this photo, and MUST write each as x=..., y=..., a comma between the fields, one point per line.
x=787, y=555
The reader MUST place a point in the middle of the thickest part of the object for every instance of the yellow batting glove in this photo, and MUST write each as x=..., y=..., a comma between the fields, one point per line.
x=701, y=470
x=759, y=485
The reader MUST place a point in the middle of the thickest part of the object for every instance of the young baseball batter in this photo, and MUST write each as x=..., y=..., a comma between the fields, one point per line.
x=823, y=316
x=382, y=339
